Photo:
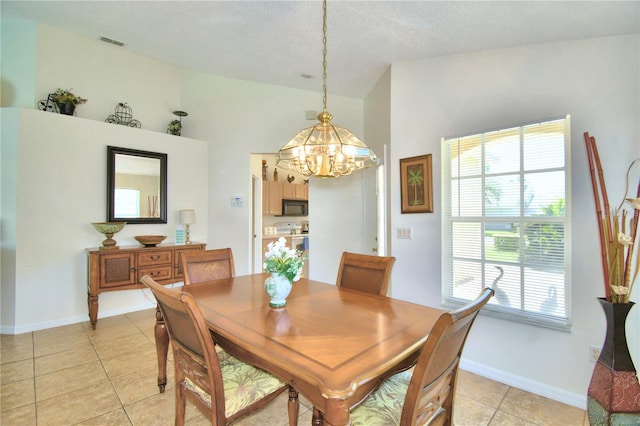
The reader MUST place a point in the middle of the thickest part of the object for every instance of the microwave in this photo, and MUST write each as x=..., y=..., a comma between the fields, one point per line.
x=295, y=208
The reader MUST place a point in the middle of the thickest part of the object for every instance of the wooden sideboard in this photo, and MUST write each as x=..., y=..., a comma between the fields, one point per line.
x=121, y=269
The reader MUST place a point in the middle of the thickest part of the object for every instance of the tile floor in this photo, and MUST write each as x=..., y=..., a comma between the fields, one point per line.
x=74, y=375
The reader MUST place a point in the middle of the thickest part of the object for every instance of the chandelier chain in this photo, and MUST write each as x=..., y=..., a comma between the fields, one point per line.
x=324, y=55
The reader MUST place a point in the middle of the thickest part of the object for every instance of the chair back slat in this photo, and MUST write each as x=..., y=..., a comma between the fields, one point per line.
x=429, y=398
x=366, y=273
x=208, y=265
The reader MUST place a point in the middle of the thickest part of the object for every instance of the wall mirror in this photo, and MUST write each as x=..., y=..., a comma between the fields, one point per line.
x=136, y=186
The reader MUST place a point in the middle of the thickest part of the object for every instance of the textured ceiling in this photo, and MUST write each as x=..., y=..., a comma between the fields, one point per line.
x=276, y=42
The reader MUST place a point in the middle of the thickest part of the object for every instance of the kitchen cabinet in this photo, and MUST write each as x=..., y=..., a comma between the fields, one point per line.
x=272, y=198
x=302, y=192
x=121, y=269
x=274, y=192
x=294, y=191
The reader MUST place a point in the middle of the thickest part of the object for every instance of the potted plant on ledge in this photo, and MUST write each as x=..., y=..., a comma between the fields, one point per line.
x=66, y=101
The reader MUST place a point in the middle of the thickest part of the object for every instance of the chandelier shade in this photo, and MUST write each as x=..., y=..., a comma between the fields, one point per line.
x=325, y=150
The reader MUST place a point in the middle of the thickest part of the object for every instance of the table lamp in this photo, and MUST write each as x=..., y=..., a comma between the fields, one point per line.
x=187, y=217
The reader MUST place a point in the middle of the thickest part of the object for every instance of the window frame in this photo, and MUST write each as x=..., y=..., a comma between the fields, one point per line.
x=448, y=219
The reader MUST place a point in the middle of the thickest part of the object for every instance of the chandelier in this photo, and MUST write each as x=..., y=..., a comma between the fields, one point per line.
x=326, y=149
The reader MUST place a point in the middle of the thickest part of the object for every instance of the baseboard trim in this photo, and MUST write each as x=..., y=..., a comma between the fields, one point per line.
x=73, y=320
x=538, y=388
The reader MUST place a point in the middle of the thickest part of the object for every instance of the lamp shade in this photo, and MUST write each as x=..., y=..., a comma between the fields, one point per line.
x=187, y=217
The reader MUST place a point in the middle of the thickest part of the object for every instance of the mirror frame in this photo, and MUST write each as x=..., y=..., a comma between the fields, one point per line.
x=112, y=151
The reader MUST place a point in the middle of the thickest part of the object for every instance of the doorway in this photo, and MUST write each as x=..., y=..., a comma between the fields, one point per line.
x=256, y=224
x=375, y=214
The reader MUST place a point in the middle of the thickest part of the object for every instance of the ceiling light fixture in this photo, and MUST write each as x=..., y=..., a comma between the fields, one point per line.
x=325, y=150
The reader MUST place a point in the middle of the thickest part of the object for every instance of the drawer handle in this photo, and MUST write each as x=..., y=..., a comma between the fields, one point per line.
x=133, y=269
x=154, y=258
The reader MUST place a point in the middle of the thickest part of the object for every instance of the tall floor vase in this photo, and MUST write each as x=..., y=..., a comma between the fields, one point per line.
x=614, y=391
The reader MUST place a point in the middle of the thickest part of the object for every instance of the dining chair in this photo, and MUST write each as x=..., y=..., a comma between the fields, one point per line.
x=365, y=272
x=199, y=266
x=221, y=386
x=425, y=394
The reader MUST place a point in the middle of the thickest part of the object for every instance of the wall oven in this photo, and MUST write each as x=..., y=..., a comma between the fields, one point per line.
x=295, y=208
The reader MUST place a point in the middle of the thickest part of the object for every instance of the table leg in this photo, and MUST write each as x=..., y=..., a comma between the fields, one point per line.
x=316, y=420
x=337, y=413
x=162, y=347
x=92, y=302
x=294, y=407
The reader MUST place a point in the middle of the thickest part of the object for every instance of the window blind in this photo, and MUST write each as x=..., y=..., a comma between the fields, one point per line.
x=505, y=221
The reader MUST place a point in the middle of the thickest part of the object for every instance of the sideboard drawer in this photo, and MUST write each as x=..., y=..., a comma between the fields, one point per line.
x=156, y=257
x=158, y=273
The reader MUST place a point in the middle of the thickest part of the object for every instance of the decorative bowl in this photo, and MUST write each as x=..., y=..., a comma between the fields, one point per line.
x=150, y=240
x=108, y=227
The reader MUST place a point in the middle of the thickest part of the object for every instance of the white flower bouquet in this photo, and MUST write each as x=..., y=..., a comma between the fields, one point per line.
x=279, y=259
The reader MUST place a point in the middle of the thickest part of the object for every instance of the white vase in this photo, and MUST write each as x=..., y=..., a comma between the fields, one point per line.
x=278, y=288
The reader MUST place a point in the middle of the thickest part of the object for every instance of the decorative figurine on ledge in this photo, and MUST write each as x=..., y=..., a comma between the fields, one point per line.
x=175, y=127
x=61, y=102
x=124, y=116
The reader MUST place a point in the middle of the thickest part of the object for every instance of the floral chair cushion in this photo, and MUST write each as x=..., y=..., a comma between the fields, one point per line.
x=384, y=406
x=243, y=384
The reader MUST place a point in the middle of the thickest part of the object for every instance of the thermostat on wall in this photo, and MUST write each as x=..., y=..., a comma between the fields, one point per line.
x=237, y=201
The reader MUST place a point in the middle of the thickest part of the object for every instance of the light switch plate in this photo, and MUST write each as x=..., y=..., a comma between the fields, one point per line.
x=404, y=233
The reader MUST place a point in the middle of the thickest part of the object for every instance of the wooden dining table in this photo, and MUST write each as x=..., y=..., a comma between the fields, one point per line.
x=333, y=345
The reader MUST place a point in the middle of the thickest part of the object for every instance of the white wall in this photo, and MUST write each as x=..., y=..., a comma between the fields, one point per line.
x=18, y=74
x=232, y=118
x=377, y=120
x=60, y=189
x=106, y=74
x=596, y=81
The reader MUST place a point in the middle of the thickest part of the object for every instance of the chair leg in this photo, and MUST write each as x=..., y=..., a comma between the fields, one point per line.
x=317, y=417
x=181, y=405
x=294, y=407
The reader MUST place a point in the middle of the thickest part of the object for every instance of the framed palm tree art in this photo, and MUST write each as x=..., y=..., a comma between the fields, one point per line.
x=416, y=184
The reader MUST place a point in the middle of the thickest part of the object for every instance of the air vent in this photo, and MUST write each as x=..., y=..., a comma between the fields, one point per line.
x=111, y=41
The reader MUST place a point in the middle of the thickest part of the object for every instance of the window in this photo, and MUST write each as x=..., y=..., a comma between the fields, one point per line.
x=506, y=218
x=127, y=202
